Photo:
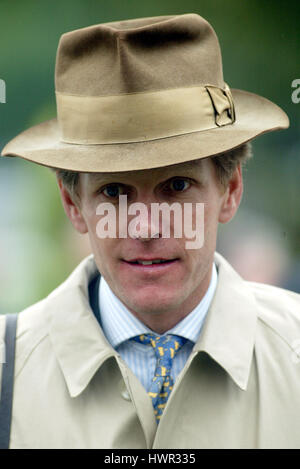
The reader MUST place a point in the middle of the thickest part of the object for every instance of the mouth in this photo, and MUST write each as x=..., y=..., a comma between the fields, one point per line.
x=150, y=268
x=149, y=262
x=150, y=265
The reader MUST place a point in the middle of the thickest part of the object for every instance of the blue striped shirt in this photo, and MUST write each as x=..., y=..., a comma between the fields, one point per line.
x=120, y=325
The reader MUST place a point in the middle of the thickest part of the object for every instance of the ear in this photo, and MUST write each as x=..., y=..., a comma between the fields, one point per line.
x=72, y=209
x=232, y=196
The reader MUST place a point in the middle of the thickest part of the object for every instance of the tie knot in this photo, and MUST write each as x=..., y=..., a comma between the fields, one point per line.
x=165, y=346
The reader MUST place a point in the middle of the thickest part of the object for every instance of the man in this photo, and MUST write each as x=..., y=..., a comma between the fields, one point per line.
x=168, y=347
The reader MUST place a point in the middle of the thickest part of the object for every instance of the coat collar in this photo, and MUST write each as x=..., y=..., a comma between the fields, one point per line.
x=228, y=334
x=81, y=347
x=78, y=341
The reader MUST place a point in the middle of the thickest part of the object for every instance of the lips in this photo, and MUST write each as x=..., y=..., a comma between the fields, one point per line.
x=147, y=264
x=149, y=261
x=149, y=268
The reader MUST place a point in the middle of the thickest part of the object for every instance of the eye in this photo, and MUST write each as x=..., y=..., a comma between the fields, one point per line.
x=179, y=184
x=113, y=190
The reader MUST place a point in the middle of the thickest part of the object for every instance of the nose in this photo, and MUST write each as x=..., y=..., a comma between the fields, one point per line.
x=143, y=226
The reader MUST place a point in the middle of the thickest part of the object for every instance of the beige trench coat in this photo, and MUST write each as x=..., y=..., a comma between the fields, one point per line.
x=239, y=389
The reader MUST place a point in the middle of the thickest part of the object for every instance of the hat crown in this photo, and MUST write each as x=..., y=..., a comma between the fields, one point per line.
x=140, y=94
x=139, y=55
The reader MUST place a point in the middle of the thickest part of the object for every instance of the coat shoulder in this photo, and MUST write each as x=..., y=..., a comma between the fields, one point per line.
x=278, y=310
x=32, y=329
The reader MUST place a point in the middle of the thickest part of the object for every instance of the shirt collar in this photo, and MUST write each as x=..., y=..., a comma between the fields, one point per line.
x=190, y=327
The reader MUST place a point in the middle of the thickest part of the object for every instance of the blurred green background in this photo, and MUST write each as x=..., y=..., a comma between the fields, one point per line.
x=260, y=42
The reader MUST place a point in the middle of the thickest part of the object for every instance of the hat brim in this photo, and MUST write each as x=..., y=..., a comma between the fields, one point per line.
x=41, y=143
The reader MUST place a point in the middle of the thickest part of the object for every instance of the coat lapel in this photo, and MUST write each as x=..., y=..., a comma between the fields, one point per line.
x=228, y=334
x=78, y=341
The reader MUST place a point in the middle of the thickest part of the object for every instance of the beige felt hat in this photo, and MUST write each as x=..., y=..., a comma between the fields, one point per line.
x=141, y=94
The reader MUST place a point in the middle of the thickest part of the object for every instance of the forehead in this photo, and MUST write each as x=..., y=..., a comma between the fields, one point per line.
x=191, y=168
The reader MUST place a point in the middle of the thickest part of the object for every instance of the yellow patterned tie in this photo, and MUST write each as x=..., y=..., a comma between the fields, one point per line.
x=165, y=348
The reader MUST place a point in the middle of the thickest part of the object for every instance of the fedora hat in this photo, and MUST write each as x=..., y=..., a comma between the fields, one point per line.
x=141, y=94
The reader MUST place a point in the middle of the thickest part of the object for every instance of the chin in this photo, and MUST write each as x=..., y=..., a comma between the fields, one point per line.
x=152, y=302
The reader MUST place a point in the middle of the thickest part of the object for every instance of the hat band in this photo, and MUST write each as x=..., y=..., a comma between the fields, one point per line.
x=139, y=117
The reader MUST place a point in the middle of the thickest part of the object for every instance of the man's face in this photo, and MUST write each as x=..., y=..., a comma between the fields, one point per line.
x=158, y=294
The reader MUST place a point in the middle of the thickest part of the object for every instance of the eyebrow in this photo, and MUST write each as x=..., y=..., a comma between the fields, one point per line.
x=123, y=176
x=106, y=177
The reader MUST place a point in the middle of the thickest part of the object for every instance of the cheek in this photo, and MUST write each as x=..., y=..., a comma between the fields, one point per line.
x=99, y=243
x=210, y=217
x=211, y=221
x=102, y=248
x=105, y=254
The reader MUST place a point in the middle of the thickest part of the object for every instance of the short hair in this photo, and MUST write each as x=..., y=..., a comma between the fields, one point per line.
x=225, y=165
